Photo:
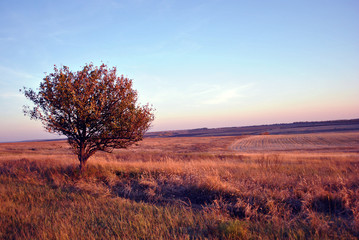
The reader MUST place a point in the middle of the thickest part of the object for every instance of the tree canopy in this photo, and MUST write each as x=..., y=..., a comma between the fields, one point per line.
x=96, y=109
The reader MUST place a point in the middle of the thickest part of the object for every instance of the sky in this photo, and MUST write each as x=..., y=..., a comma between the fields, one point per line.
x=207, y=63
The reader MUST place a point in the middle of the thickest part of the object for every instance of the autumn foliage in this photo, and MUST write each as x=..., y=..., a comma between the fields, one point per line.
x=96, y=109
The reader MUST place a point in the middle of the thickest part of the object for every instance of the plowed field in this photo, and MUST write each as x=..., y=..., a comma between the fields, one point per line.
x=346, y=142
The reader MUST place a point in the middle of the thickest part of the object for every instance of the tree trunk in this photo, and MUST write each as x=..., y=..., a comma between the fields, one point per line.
x=82, y=157
x=82, y=163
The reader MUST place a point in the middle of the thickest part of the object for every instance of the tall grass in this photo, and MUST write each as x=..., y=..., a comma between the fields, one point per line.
x=206, y=192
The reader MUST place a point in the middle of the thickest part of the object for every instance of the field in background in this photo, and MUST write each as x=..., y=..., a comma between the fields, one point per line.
x=315, y=142
x=244, y=187
x=273, y=129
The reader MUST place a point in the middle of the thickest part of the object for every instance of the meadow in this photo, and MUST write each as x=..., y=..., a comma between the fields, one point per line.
x=244, y=187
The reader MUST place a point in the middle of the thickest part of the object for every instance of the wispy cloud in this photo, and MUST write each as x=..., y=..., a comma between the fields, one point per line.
x=6, y=71
x=217, y=94
x=224, y=96
x=11, y=95
x=193, y=96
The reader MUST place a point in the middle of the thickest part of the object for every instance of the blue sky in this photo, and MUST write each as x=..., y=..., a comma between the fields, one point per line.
x=200, y=63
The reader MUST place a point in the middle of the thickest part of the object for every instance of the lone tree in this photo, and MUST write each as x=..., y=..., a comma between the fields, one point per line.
x=96, y=109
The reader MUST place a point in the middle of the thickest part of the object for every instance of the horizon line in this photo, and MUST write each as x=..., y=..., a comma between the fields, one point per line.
x=174, y=130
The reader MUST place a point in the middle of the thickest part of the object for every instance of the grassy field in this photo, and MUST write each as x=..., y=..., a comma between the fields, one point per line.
x=317, y=142
x=183, y=188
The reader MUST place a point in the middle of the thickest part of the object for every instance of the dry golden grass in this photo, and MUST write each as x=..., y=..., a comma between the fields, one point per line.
x=178, y=188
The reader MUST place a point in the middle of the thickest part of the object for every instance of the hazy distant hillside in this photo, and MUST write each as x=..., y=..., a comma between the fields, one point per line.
x=284, y=128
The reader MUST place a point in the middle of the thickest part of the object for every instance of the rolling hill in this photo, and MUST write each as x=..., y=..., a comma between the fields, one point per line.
x=272, y=129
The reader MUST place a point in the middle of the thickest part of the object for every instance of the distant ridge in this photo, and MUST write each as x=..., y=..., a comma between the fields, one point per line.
x=281, y=128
